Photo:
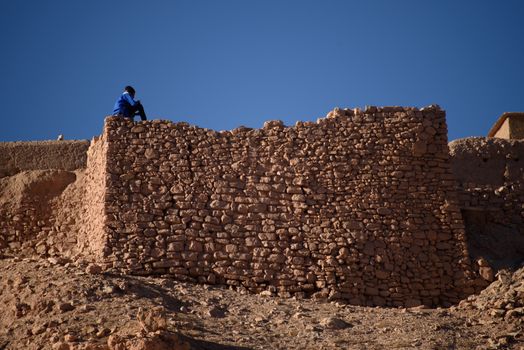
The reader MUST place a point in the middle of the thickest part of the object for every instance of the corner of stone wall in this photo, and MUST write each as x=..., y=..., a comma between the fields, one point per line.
x=93, y=239
x=451, y=215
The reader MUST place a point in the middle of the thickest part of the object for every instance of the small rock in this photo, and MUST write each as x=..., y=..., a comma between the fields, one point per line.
x=103, y=332
x=504, y=277
x=504, y=341
x=64, y=307
x=497, y=312
x=90, y=329
x=334, y=323
x=86, y=308
x=61, y=346
x=38, y=329
x=93, y=269
x=487, y=273
x=273, y=124
x=298, y=315
x=110, y=289
x=53, y=260
x=514, y=313
x=151, y=154
x=138, y=129
x=115, y=341
x=279, y=321
x=265, y=293
x=259, y=319
x=184, y=309
x=482, y=262
x=20, y=281
x=216, y=312
x=70, y=338
x=124, y=285
x=313, y=328
x=383, y=211
x=56, y=260
x=152, y=320
x=21, y=309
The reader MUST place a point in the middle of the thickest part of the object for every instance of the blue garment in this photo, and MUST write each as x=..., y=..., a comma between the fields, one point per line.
x=124, y=105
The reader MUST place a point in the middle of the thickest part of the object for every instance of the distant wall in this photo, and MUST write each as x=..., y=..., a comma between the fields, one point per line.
x=504, y=131
x=55, y=212
x=487, y=161
x=490, y=174
x=42, y=155
x=360, y=206
x=41, y=196
x=26, y=209
x=516, y=127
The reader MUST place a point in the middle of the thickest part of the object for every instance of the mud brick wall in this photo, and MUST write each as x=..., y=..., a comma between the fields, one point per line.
x=32, y=176
x=26, y=218
x=53, y=212
x=42, y=155
x=359, y=205
x=489, y=173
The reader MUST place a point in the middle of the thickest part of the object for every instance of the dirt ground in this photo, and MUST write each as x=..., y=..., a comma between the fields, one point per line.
x=56, y=304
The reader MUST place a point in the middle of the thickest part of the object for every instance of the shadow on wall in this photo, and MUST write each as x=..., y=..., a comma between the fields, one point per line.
x=490, y=174
x=501, y=245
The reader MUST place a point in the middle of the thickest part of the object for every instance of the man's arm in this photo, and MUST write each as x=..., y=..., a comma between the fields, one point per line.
x=129, y=99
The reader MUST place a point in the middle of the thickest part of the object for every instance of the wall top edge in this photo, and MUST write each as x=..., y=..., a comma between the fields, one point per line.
x=271, y=124
x=43, y=143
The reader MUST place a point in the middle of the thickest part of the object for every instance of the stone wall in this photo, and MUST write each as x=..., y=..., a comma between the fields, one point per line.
x=490, y=174
x=360, y=206
x=42, y=155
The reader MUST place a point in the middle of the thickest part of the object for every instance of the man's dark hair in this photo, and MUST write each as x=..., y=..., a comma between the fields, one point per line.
x=129, y=89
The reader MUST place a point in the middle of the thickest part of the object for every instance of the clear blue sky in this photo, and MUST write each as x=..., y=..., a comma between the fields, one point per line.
x=221, y=64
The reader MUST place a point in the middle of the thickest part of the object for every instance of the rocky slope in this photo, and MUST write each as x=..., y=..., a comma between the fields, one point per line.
x=57, y=304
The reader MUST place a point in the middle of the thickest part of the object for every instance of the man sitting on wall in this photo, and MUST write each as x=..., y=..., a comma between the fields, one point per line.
x=127, y=107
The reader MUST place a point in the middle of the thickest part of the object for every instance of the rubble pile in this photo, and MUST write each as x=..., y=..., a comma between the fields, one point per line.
x=502, y=301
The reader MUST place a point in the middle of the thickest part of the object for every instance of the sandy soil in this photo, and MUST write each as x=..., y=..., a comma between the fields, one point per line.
x=56, y=304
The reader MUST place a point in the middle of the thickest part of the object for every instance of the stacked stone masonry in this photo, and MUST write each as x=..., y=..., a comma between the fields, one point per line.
x=360, y=205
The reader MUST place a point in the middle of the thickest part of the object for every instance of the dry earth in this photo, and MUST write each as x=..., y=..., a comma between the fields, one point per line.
x=57, y=304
